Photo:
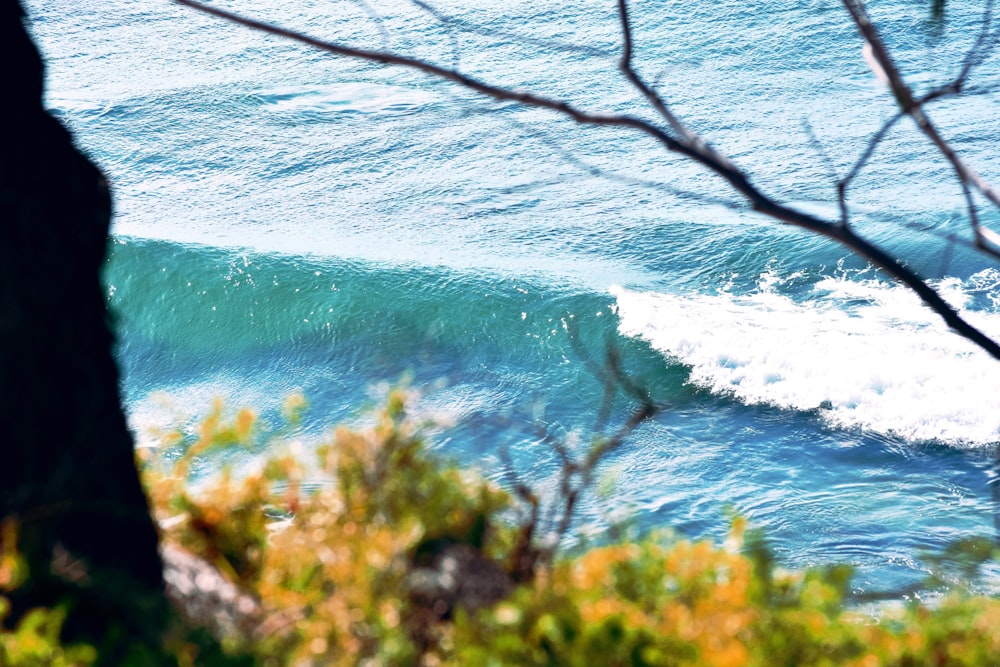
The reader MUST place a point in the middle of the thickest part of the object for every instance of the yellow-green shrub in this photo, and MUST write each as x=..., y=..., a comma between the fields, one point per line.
x=330, y=569
x=333, y=573
x=34, y=641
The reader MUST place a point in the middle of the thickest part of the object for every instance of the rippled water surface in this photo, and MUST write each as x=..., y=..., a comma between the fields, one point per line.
x=288, y=220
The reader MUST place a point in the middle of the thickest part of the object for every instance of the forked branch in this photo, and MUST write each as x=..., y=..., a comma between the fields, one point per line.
x=686, y=143
x=885, y=67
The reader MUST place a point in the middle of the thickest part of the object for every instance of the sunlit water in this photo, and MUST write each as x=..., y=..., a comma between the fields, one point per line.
x=290, y=221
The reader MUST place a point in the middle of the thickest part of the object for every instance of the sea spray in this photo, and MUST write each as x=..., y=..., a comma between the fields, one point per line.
x=863, y=353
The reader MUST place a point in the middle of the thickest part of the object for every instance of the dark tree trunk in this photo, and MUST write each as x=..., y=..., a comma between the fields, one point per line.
x=67, y=468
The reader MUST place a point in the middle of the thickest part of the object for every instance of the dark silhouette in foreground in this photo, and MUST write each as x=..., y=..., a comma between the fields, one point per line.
x=67, y=470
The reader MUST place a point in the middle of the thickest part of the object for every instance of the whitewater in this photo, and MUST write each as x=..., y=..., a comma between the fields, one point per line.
x=287, y=221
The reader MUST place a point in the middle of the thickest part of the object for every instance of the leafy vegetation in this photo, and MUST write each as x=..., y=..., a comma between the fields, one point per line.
x=357, y=573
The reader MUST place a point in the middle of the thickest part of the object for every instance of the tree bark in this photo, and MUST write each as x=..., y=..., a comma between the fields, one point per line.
x=67, y=466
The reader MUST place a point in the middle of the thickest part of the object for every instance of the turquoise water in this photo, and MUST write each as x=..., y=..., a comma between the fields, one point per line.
x=288, y=221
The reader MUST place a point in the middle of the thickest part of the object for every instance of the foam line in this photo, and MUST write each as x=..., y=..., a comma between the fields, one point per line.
x=862, y=353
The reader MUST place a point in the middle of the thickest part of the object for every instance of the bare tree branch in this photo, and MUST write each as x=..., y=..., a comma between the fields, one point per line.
x=860, y=164
x=377, y=20
x=980, y=49
x=985, y=239
x=446, y=21
x=464, y=26
x=686, y=134
x=817, y=146
x=599, y=172
x=694, y=149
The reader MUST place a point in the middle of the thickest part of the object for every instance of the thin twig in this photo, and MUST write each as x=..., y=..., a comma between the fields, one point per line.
x=599, y=172
x=980, y=49
x=845, y=182
x=377, y=20
x=986, y=240
x=686, y=134
x=493, y=33
x=817, y=145
x=698, y=152
x=456, y=58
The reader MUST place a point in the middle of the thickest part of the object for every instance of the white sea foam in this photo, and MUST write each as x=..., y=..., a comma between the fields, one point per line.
x=863, y=353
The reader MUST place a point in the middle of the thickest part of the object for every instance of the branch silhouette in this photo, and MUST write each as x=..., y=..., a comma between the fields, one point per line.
x=679, y=139
x=885, y=68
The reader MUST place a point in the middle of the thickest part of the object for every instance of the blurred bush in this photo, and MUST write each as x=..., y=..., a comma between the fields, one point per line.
x=392, y=557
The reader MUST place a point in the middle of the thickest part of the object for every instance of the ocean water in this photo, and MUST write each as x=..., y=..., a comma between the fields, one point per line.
x=290, y=221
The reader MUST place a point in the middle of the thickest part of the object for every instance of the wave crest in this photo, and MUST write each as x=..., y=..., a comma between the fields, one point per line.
x=862, y=353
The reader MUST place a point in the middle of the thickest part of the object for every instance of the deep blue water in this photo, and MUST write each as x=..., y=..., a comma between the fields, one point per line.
x=289, y=221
